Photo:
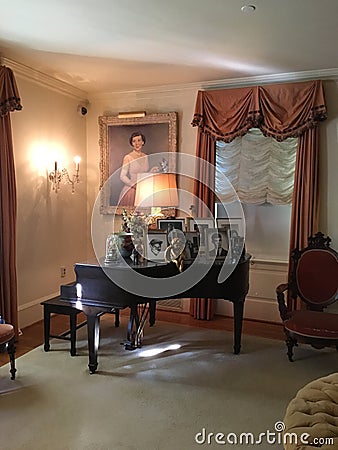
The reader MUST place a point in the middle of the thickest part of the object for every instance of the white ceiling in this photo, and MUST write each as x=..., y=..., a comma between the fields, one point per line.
x=115, y=45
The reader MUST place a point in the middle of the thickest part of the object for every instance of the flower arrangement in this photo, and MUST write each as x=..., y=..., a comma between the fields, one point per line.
x=137, y=224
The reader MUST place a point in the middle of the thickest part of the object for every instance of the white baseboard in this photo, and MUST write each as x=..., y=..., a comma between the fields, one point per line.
x=254, y=308
x=32, y=312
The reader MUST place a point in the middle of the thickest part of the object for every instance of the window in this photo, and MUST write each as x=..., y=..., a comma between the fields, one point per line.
x=261, y=170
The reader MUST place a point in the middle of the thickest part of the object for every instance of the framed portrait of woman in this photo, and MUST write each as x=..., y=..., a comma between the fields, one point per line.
x=130, y=146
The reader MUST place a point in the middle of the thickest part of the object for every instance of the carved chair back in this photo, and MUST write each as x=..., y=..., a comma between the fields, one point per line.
x=315, y=273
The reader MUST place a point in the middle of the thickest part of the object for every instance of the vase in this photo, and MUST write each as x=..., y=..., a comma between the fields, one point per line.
x=125, y=244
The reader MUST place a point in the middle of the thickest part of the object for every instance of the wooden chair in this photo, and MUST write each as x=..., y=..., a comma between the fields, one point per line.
x=312, y=287
x=7, y=338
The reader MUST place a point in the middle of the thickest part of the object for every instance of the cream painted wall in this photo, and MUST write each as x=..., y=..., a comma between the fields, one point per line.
x=51, y=228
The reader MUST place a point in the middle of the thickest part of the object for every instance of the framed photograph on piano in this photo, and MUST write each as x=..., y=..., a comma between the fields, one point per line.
x=192, y=243
x=170, y=224
x=200, y=225
x=234, y=228
x=217, y=243
x=234, y=224
x=156, y=244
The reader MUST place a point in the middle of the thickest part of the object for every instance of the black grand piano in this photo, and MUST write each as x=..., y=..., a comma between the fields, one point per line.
x=101, y=288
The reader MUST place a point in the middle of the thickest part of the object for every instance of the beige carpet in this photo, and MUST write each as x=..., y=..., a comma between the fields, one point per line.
x=137, y=402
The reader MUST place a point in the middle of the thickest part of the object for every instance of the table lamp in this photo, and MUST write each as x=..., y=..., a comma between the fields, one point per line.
x=156, y=191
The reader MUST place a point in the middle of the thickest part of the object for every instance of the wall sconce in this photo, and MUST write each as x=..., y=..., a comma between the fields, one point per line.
x=57, y=176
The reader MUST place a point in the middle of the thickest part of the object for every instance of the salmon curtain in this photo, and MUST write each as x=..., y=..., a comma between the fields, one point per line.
x=202, y=308
x=9, y=101
x=278, y=110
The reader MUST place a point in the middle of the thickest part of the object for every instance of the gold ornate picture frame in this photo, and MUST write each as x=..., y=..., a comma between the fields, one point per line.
x=160, y=131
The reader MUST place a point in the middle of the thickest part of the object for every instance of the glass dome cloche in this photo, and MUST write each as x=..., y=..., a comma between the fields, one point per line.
x=118, y=245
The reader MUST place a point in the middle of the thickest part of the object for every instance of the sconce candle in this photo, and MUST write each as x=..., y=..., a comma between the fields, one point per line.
x=57, y=176
x=77, y=161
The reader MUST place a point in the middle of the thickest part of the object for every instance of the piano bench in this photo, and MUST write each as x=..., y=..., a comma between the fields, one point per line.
x=57, y=306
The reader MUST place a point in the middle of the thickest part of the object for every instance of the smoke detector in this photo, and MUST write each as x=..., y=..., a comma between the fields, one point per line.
x=248, y=9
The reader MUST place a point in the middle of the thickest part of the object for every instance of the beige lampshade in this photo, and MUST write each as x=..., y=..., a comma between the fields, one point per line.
x=156, y=189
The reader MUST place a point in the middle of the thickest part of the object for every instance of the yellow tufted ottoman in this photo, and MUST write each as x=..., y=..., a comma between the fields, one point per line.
x=314, y=411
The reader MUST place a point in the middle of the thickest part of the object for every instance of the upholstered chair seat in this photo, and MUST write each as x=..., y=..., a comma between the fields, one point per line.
x=313, y=324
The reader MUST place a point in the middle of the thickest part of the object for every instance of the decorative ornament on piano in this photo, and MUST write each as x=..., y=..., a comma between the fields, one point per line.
x=118, y=245
x=112, y=251
x=175, y=251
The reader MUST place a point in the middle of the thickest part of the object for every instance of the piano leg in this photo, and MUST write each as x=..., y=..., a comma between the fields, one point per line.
x=152, y=312
x=238, y=321
x=93, y=331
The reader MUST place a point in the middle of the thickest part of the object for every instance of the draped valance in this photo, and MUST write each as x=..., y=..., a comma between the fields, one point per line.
x=278, y=110
x=9, y=94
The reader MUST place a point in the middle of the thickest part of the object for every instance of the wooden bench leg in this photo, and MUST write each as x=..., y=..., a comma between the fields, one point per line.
x=46, y=322
x=11, y=353
x=117, y=318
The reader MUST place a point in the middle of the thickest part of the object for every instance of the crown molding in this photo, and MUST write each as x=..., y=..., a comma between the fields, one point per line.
x=45, y=80
x=72, y=91
x=324, y=74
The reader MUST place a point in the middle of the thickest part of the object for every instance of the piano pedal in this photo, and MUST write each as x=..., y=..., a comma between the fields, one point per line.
x=129, y=346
